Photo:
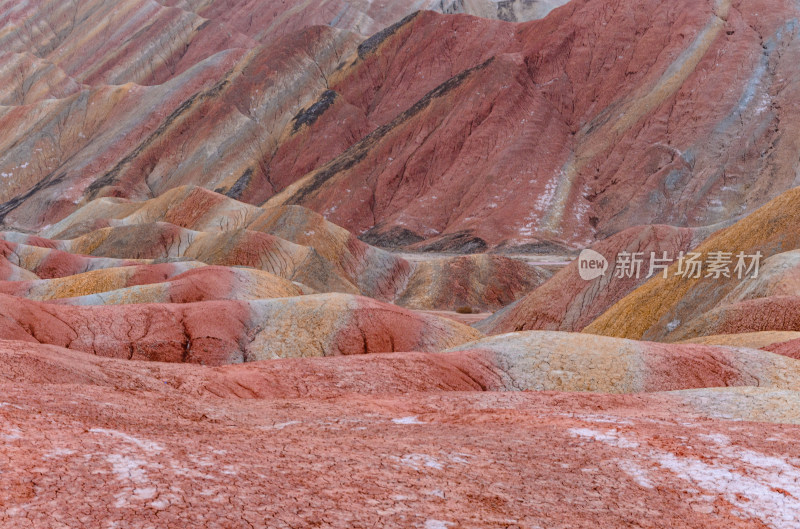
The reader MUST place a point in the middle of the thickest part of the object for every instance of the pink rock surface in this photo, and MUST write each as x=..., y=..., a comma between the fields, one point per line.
x=790, y=348
x=146, y=457
x=224, y=332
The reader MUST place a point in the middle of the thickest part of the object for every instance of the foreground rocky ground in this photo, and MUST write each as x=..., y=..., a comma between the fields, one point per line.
x=84, y=455
x=382, y=441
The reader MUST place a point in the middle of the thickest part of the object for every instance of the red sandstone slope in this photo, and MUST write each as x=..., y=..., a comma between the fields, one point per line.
x=98, y=42
x=233, y=78
x=569, y=131
x=459, y=131
x=225, y=332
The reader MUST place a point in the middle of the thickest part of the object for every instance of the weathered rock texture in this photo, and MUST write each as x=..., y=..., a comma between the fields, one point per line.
x=442, y=131
x=224, y=332
x=289, y=241
x=560, y=130
x=555, y=361
x=149, y=444
x=162, y=283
